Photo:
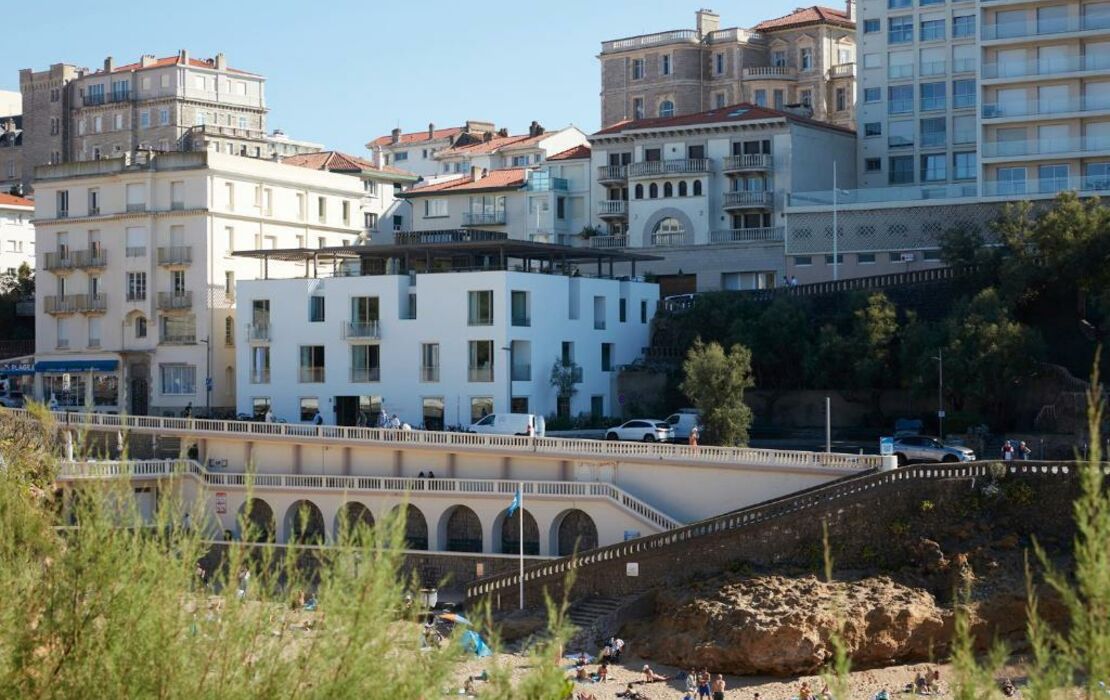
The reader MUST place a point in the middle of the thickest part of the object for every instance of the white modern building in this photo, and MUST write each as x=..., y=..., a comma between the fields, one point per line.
x=442, y=330
x=17, y=233
x=135, y=295
x=706, y=191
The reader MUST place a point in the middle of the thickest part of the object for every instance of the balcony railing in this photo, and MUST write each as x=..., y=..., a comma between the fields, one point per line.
x=311, y=375
x=607, y=242
x=362, y=330
x=58, y=261
x=93, y=100
x=178, y=337
x=521, y=320
x=366, y=374
x=1041, y=27
x=480, y=374
x=91, y=258
x=934, y=68
x=429, y=374
x=770, y=73
x=679, y=166
x=612, y=207
x=877, y=195
x=175, y=301
x=672, y=238
x=136, y=206
x=746, y=235
x=258, y=332
x=749, y=199
x=1048, y=66
x=755, y=161
x=1078, y=144
x=522, y=373
x=543, y=182
x=1053, y=186
x=842, y=70
x=135, y=251
x=612, y=173
x=175, y=255
x=75, y=303
x=260, y=376
x=493, y=218
x=639, y=42
x=1025, y=108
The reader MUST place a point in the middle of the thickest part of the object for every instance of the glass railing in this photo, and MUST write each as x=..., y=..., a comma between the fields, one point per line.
x=1077, y=144
x=366, y=374
x=1044, y=26
x=880, y=195
x=964, y=65
x=900, y=71
x=1047, y=66
x=1025, y=108
x=1048, y=186
x=934, y=68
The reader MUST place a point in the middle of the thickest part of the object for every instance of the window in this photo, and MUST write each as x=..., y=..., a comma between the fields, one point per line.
x=872, y=94
x=963, y=26
x=316, y=309
x=963, y=166
x=140, y=326
x=310, y=406
x=719, y=63
x=779, y=98
x=370, y=220
x=260, y=364
x=322, y=209
x=480, y=306
x=260, y=405
x=599, y=313
x=718, y=100
x=806, y=58
x=429, y=362
x=870, y=26
x=933, y=96
x=963, y=93
x=638, y=108
x=638, y=192
x=900, y=29
x=1011, y=181
x=433, y=412
x=839, y=259
x=480, y=407
x=117, y=121
x=901, y=170
x=144, y=119
x=366, y=363
x=932, y=30
x=637, y=69
x=934, y=168
x=865, y=258
x=873, y=165
x=164, y=117
x=666, y=108
x=841, y=99
x=934, y=132
x=963, y=129
x=312, y=364
x=62, y=198
x=229, y=195
x=697, y=188
x=778, y=59
x=94, y=201
x=668, y=190
x=900, y=99
x=435, y=208
x=178, y=379
x=606, y=357
x=872, y=60
x=229, y=331
x=98, y=124
x=761, y=98
x=643, y=311
x=807, y=98
x=521, y=315
x=1053, y=178
x=873, y=129
x=653, y=191
x=480, y=354
x=136, y=286
x=898, y=4
x=622, y=310
x=665, y=64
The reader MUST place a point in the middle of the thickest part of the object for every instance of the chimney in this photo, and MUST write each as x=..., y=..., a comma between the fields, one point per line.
x=850, y=10
x=487, y=136
x=431, y=131
x=221, y=62
x=109, y=65
x=707, y=21
x=395, y=135
x=146, y=60
x=376, y=156
x=535, y=129
x=183, y=56
x=503, y=132
x=476, y=173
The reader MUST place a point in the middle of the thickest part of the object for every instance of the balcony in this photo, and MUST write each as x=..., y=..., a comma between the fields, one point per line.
x=76, y=304
x=311, y=375
x=521, y=320
x=93, y=100
x=178, y=337
x=1048, y=187
x=680, y=166
x=492, y=218
x=480, y=374
x=688, y=36
x=1080, y=145
x=1095, y=62
x=931, y=68
x=770, y=73
x=429, y=374
x=136, y=251
x=882, y=195
x=175, y=301
x=842, y=70
x=755, y=161
x=746, y=235
x=672, y=239
x=365, y=374
x=258, y=332
x=136, y=206
x=609, y=242
x=58, y=262
x=260, y=376
x=749, y=200
x=362, y=330
x=90, y=259
x=175, y=255
x=612, y=208
x=1034, y=108
x=612, y=174
x=1016, y=31
x=543, y=182
x=522, y=373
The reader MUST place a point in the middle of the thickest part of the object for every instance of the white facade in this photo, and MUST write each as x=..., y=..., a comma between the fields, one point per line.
x=135, y=300
x=416, y=151
x=11, y=103
x=502, y=150
x=446, y=363
x=17, y=233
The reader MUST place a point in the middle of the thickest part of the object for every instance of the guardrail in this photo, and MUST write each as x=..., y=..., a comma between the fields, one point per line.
x=599, y=449
x=73, y=470
x=744, y=518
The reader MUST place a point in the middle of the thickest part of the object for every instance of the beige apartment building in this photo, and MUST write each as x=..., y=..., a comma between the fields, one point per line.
x=806, y=58
x=415, y=152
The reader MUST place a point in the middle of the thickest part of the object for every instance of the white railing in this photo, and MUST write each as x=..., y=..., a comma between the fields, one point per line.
x=744, y=162
x=612, y=172
x=747, y=235
x=362, y=330
x=601, y=449
x=607, y=242
x=612, y=207
x=671, y=239
x=770, y=72
x=69, y=471
x=637, y=42
x=678, y=166
x=749, y=199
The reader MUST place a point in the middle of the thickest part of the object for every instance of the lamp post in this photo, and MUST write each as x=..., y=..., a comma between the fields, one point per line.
x=509, y=377
x=207, y=376
x=940, y=393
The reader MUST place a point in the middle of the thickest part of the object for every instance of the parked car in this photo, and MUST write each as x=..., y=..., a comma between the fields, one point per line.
x=510, y=424
x=11, y=399
x=920, y=448
x=682, y=422
x=647, y=430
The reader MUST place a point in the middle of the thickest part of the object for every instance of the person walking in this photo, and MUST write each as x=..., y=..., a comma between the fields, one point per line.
x=1024, y=451
x=1007, y=451
x=694, y=435
x=188, y=412
x=719, y=687
x=318, y=419
x=269, y=416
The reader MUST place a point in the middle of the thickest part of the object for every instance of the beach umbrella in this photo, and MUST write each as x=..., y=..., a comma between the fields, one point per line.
x=456, y=618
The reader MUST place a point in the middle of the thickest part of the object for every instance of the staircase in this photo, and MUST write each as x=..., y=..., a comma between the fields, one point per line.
x=585, y=613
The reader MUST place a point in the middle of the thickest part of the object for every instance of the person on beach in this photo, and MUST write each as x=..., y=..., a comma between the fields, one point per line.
x=719, y=687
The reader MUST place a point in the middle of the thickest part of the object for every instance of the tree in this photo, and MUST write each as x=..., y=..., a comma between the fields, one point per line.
x=962, y=245
x=874, y=329
x=565, y=378
x=715, y=383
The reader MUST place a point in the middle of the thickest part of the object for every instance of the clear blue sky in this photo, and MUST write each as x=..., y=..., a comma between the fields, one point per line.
x=341, y=72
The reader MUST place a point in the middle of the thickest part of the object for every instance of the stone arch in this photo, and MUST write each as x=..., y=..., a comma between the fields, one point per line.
x=256, y=521
x=573, y=529
x=350, y=517
x=506, y=533
x=304, y=523
x=416, y=526
x=666, y=213
x=460, y=530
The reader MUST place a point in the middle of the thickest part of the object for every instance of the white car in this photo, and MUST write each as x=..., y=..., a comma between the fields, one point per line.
x=642, y=429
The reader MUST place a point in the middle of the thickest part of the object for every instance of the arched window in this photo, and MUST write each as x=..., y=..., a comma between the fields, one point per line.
x=140, y=326
x=639, y=191
x=668, y=189
x=229, y=331
x=666, y=108
x=682, y=188
x=697, y=188
x=653, y=191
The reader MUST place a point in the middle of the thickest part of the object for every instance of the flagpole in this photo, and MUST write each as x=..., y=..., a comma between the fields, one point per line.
x=521, y=509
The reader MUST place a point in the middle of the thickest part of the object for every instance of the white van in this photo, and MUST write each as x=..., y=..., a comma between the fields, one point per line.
x=682, y=422
x=510, y=424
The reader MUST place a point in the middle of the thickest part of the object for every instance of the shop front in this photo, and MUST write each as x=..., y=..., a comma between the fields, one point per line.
x=70, y=384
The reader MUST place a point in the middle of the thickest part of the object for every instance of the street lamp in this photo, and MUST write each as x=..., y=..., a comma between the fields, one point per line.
x=835, y=229
x=939, y=357
x=207, y=376
x=509, y=377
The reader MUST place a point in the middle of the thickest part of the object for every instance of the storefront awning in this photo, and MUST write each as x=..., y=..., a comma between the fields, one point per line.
x=63, y=366
x=18, y=366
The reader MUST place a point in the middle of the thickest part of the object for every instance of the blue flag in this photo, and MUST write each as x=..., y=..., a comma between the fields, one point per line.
x=516, y=502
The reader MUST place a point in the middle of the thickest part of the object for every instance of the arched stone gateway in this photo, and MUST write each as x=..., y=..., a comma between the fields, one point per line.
x=509, y=534
x=256, y=521
x=351, y=518
x=461, y=530
x=574, y=530
x=416, y=527
x=304, y=524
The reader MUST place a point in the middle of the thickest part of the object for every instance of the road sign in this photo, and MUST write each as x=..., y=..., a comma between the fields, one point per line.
x=208, y=383
x=221, y=502
x=940, y=414
x=886, y=445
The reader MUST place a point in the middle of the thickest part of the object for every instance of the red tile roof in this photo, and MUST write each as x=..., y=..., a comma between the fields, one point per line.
x=576, y=153
x=742, y=112
x=503, y=179
x=337, y=162
x=807, y=15
x=10, y=200
x=172, y=60
x=418, y=136
x=496, y=143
